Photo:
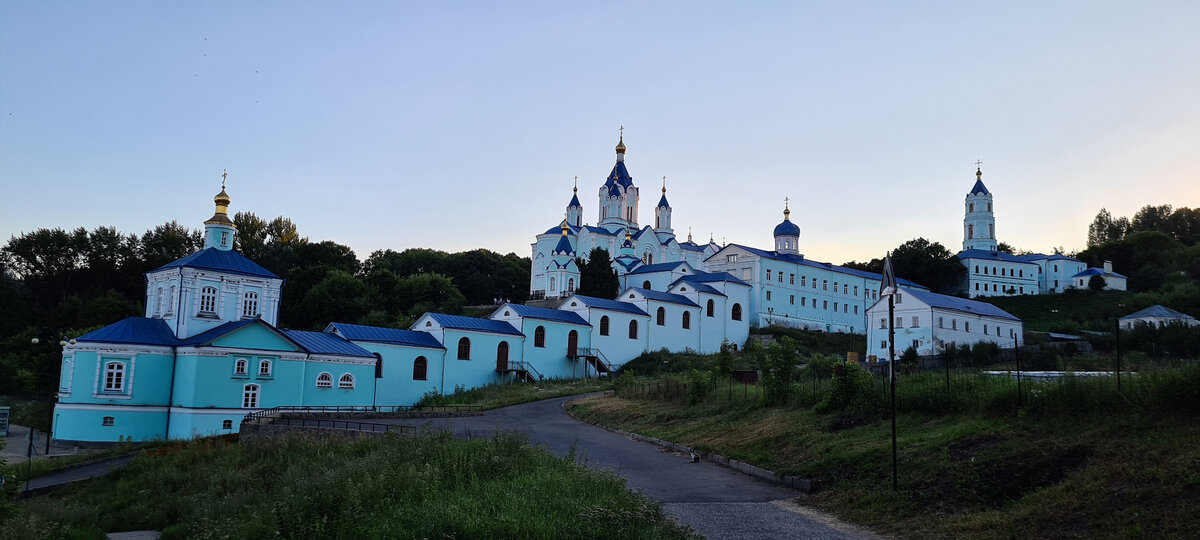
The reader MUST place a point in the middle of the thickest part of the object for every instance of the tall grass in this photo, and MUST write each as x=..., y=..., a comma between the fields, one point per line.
x=306, y=486
x=502, y=395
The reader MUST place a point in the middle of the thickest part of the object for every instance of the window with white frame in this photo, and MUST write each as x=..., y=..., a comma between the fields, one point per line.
x=250, y=304
x=250, y=396
x=106, y=421
x=779, y=277
x=325, y=380
x=171, y=302
x=346, y=381
x=768, y=275
x=240, y=366
x=208, y=300
x=161, y=302
x=264, y=368
x=114, y=377
x=791, y=279
x=916, y=322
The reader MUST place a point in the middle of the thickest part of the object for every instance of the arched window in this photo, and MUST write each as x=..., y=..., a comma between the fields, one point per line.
x=208, y=300
x=632, y=329
x=264, y=368
x=552, y=285
x=539, y=337
x=711, y=308
x=114, y=377
x=573, y=344
x=250, y=396
x=161, y=302
x=971, y=231
x=420, y=369
x=171, y=302
x=971, y=207
x=571, y=285
x=646, y=285
x=464, y=349
x=346, y=382
x=660, y=317
x=736, y=312
x=250, y=305
x=325, y=380
x=687, y=319
x=604, y=325
x=239, y=366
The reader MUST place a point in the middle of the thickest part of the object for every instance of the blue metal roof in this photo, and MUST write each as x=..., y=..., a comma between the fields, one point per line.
x=994, y=256
x=800, y=260
x=618, y=177
x=326, y=343
x=628, y=261
x=458, y=322
x=574, y=202
x=662, y=202
x=214, y=333
x=564, y=246
x=598, y=230
x=221, y=261
x=546, y=314
x=787, y=228
x=610, y=305
x=959, y=304
x=699, y=286
x=666, y=297
x=660, y=267
x=1096, y=272
x=133, y=331
x=711, y=277
x=691, y=246
x=390, y=336
x=979, y=188
x=1158, y=311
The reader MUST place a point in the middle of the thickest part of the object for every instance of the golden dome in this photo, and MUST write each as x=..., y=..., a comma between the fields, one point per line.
x=621, y=145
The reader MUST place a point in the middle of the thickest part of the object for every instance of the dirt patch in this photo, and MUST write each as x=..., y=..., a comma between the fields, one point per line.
x=967, y=448
x=995, y=480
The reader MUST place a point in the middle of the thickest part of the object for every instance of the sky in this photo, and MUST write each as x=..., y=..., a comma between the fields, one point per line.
x=461, y=125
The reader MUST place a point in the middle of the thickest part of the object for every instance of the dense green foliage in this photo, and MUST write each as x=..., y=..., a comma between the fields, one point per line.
x=304, y=486
x=597, y=277
x=56, y=284
x=924, y=262
x=980, y=455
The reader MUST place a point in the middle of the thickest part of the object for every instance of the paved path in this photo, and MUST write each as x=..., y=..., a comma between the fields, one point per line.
x=79, y=472
x=715, y=501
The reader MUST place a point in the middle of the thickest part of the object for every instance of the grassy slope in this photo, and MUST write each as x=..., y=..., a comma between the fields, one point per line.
x=502, y=395
x=1067, y=312
x=960, y=475
x=430, y=486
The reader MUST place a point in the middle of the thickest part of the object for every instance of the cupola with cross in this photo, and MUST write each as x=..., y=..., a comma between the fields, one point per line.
x=979, y=223
x=787, y=234
x=662, y=212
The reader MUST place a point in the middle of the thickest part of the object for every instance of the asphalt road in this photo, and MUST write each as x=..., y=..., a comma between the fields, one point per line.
x=715, y=501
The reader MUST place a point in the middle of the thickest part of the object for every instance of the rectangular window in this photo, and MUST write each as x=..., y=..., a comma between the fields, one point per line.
x=227, y=424
x=825, y=305
x=824, y=284
x=768, y=295
x=916, y=322
x=779, y=277
x=792, y=299
x=835, y=287
x=803, y=281
x=954, y=324
x=882, y=324
x=966, y=326
x=732, y=257
x=856, y=310
x=883, y=344
x=835, y=307
x=899, y=322
x=941, y=322
x=845, y=289
x=106, y=421
x=114, y=377
x=856, y=290
x=803, y=301
x=768, y=275
x=791, y=279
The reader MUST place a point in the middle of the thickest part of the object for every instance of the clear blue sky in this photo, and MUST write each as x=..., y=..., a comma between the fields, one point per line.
x=457, y=125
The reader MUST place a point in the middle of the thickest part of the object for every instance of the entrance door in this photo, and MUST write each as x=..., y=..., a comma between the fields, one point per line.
x=502, y=356
x=572, y=344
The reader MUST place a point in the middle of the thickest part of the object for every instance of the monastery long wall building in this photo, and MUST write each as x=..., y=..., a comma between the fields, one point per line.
x=208, y=349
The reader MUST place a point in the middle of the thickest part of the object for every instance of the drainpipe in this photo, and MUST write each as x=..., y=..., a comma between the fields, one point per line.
x=171, y=391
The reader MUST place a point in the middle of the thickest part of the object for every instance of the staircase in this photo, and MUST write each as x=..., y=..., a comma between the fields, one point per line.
x=594, y=358
x=523, y=371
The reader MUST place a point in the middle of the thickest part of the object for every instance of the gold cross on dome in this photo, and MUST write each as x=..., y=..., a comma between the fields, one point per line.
x=224, y=174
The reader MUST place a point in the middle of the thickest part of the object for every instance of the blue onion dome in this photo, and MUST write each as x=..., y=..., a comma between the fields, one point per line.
x=787, y=228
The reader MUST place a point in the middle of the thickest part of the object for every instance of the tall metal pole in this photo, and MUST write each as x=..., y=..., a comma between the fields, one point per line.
x=1017, y=355
x=892, y=374
x=1118, y=355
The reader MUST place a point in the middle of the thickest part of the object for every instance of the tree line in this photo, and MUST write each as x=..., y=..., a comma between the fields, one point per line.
x=58, y=283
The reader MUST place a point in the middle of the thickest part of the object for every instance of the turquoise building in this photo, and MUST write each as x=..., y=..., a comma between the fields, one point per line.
x=208, y=349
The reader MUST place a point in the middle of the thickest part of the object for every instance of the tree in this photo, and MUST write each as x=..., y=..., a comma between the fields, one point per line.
x=1152, y=218
x=930, y=264
x=1104, y=229
x=168, y=242
x=1096, y=283
x=597, y=277
x=1005, y=248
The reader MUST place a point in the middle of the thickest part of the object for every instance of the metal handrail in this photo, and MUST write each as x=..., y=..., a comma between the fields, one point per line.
x=345, y=425
x=335, y=409
x=524, y=365
x=595, y=354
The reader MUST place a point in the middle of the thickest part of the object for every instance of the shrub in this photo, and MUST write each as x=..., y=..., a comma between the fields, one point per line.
x=852, y=390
